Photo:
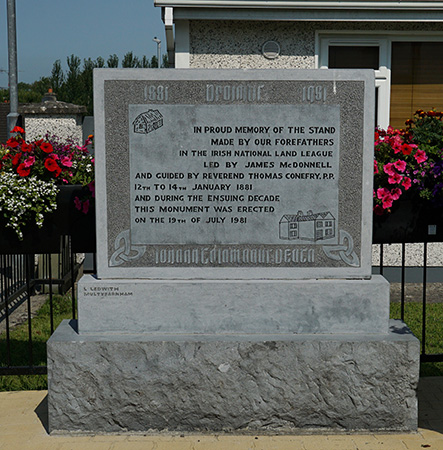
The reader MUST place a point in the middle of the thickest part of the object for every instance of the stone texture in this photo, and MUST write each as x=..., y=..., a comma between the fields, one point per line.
x=224, y=383
x=235, y=307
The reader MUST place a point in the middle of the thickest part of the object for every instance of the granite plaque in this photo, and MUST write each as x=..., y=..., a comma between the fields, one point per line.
x=234, y=174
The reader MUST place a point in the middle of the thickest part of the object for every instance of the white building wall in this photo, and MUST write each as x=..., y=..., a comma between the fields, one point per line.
x=237, y=44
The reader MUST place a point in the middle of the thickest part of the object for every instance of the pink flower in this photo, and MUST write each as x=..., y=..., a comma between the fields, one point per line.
x=387, y=201
x=388, y=168
x=78, y=203
x=66, y=161
x=397, y=144
x=382, y=192
x=375, y=167
x=396, y=192
x=91, y=187
x=85, y=207
x=29, y=161
x=406, y=183
x=420, y=156
x=400, y=165
x=395, y=178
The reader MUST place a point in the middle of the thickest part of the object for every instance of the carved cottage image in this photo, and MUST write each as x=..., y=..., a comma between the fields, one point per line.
x=307, y=227
x=148, y=121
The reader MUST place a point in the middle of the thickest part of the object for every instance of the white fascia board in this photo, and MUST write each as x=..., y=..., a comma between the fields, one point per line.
x=300, y=14
x=290, y=4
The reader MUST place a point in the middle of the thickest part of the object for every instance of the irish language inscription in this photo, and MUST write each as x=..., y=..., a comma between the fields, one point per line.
x=234, y=174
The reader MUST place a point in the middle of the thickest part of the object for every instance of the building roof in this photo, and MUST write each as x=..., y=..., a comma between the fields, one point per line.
x=379, y=10
x=50, y=106
x=309, y=216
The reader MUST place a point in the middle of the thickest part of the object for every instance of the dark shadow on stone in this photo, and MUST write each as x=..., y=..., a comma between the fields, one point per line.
x=73, y=323
x=400, y=328
x=42, y=413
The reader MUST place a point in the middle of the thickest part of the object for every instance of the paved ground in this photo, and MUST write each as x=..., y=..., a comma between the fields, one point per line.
x=23, y=426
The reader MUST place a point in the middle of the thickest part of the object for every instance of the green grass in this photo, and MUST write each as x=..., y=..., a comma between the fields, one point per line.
x=41, y=331
x=434, y=330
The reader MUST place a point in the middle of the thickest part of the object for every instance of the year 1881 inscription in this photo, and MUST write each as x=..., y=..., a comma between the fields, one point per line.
x=233, y=174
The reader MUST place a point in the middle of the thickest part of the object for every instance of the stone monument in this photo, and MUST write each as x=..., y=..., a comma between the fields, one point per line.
x=234, y=288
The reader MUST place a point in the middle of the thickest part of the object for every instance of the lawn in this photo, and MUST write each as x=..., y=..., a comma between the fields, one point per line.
x=434, y=330
x=41, y=331
x=19, y=344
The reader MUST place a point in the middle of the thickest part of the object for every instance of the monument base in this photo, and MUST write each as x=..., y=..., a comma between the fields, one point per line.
x=233, y=306
x=244, y=383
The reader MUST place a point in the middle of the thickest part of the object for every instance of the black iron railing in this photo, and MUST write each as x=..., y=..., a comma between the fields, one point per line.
x=419, y=273
x=21, y=278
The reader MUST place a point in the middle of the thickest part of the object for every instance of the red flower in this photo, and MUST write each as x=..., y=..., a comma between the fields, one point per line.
x=22, y=170
x=18, y=130
x=12, y=142
x=16, y=159
x=52, y=166
x=406, y=149
x=46, y=147
x=26, y=147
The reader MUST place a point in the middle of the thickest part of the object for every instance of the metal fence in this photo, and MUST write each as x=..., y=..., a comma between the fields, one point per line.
x=419, y=274
x=22, y=276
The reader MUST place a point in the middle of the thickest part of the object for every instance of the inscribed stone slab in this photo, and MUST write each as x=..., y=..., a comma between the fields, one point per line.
x=234, y=174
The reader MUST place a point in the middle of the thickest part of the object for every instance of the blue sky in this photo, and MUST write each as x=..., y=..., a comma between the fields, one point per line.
x=48, y=30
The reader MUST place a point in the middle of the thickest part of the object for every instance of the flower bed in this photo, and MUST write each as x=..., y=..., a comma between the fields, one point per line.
x=408, y=180
x=46, y=186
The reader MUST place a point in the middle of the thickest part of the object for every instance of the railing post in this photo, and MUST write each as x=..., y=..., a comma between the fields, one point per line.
x=403, y=264
x=425, y=262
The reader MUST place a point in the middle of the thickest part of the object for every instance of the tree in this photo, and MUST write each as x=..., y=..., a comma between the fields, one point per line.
x=154, y=62
x=72, y=86
x=144, y=62
x=130, y=61
x=57, y=77
x=76, y=84
x=112, y=61
x=99, y=62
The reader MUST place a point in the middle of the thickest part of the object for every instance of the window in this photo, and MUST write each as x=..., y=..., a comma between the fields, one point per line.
x=408, y=69
x=359, y=52
x=358, y=57
x=416, y=79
